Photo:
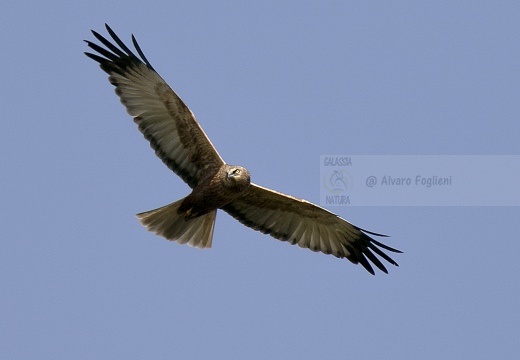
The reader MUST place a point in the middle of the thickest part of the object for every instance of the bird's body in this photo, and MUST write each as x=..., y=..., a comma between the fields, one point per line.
x=180, y=142
x=215, y=191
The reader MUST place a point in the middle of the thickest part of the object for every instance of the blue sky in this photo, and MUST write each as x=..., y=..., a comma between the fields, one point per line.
x=274, y=85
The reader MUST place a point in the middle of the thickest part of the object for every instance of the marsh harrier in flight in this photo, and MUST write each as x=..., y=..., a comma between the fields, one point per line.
x=179, y=141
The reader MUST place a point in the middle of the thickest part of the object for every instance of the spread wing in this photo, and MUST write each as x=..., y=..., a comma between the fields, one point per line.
x=300, y=222
x=160, y=114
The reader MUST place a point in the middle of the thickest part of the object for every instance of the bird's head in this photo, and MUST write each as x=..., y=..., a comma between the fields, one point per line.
x=237, y=177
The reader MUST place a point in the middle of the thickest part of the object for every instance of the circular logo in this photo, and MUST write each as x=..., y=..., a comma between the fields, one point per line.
x=338, y=181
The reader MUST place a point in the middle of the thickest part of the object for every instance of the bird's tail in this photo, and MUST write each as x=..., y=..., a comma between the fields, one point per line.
x=167, y=222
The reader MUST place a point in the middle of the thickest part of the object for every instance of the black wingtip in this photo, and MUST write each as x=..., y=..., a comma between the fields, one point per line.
x=386, y=247
x=109, y=29
x=113, y=55
x=140, y=52
x=365, y=251
x=363, y=261
x=371, y=232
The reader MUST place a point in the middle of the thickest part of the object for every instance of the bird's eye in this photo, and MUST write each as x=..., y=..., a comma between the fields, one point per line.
x=236, y=171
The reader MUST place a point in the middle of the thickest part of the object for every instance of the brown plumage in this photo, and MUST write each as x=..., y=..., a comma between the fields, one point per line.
x=178, y=140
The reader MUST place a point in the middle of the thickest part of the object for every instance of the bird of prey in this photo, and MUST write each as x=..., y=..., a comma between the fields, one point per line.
x=179, y=141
